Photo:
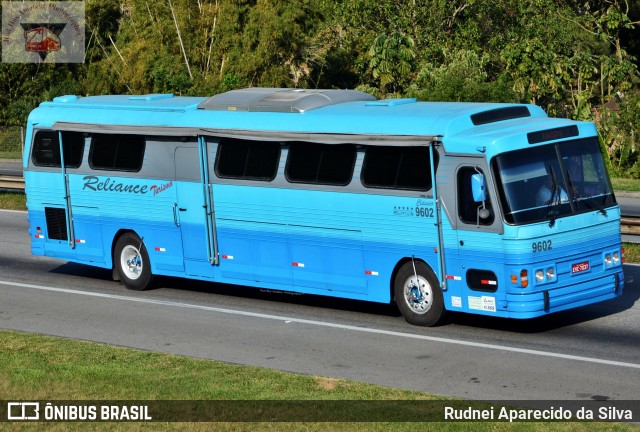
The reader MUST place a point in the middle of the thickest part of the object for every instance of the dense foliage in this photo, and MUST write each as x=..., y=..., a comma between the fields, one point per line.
x=574, y=58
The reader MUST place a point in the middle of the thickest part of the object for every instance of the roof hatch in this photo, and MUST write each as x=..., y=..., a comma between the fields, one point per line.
x=280, y=99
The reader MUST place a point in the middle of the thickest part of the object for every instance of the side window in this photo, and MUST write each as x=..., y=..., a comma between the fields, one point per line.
x=405, y=168
x=328, y=164
x=117, y=152
x=46, y=149
x=469, y=211
x=248, y=160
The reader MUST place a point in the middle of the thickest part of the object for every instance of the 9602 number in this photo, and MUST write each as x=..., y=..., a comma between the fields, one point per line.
x=541, y=246
x=424, y=212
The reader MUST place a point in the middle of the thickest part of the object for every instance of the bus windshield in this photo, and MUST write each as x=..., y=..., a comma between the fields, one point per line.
x=551, y=181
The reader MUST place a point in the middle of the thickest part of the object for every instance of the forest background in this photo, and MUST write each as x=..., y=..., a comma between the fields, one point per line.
x=575, y=58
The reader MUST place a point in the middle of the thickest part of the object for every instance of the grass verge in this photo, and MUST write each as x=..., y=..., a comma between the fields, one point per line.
x=625, y=184
x=44, y=368
x=631, y=253
x=13, y=201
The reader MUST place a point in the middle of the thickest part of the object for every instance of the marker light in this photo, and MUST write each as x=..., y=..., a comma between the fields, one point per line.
x=524, y=278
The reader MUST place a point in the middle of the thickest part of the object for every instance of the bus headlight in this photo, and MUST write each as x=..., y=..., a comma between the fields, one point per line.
x=551, y=273
x=539, y=276
x=616, y=258
x=608, y=260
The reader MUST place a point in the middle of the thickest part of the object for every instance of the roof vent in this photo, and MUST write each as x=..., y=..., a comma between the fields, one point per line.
x=259, y=99
x=500, y=114
x=65, y=98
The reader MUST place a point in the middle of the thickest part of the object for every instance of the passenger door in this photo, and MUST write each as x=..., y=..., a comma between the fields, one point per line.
x=191, y=211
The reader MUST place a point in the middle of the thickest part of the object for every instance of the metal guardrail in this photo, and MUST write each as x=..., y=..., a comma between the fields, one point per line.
x=11, y=183
x=630, y=225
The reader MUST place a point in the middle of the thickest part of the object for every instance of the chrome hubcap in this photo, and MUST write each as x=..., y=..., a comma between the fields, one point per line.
x=131, y=262
x=418, y=294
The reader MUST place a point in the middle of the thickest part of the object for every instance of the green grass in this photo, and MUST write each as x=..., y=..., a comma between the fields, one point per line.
x=625, y=184
x=44, y=368
x=14, y=155
x=13, y=201
x=631, y=253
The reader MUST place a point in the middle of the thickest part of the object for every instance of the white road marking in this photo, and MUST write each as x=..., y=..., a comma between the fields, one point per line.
x=325, y=324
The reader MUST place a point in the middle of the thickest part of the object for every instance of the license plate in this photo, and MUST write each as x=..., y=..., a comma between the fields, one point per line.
x=580, y=267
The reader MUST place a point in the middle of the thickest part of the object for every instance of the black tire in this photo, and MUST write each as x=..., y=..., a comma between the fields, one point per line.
x=421, y=304
x=131, y=262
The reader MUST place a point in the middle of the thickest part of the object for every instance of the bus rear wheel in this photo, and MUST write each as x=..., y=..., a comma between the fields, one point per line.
x=131, y=262
x=418, y=295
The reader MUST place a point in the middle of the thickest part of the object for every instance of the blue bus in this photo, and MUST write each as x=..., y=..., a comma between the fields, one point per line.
x=484, y=208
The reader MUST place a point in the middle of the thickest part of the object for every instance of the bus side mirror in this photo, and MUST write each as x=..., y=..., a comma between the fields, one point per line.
x=478, y=188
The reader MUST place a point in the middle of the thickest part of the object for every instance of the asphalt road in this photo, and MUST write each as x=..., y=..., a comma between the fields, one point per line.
x=629, y=203
x=590, y=353
x=11, y=168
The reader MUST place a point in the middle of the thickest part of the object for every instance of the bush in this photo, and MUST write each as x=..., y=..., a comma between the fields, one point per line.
x=10, y=143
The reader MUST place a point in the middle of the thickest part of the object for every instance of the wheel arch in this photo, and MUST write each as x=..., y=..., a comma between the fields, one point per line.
x=397, y=267
x=137, y=275
x=114, y=240
x=422, y=302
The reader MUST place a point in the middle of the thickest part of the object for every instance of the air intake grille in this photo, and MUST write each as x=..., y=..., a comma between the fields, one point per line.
x=500, y=114
x=56, y=223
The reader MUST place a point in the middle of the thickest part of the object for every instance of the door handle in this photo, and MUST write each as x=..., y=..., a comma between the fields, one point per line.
x=175, y=215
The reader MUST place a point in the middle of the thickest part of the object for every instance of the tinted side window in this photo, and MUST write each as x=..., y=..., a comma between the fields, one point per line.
x=397, y=168
x=46, y=149
x=250, y=160
x=321, y=163
x=117, y=152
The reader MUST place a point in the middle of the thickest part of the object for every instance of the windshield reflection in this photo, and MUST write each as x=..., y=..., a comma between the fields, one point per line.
x=547, y=182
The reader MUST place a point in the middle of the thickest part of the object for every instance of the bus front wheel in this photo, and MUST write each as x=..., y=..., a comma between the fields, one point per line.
x=131, y=262
x=418, y=295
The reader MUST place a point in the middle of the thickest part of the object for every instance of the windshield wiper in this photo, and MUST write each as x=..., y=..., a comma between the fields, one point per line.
x=556, y=198
x=553, y=208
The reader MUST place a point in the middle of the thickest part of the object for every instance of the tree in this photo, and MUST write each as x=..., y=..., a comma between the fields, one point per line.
x=391, y=60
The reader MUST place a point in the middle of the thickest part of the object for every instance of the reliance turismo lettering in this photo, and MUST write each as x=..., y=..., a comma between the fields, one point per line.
x=95, y=184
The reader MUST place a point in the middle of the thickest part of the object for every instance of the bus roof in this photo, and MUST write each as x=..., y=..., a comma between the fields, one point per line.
x=331, y=116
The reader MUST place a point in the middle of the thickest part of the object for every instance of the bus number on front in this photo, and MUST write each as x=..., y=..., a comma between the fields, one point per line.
x=541, y=246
